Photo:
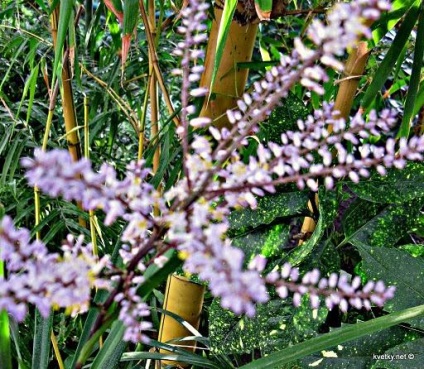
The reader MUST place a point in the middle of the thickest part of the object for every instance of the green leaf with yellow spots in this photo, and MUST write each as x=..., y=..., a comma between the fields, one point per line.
x=398, y=268
x=377, y=225
x=397, y=187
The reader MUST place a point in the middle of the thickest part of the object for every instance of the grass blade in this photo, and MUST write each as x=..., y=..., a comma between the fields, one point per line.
x=389, y=61
x=224, y=28
x=5, y=353
x=41, y=346
x=336, y=337
x=112, y=350
x=415, y=78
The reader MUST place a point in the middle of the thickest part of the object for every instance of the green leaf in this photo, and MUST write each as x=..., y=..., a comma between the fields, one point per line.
x=397, y=187
x=404, y=356
x=5, y=353
x=224, y=29
x=413, y=249
x=65, y=11
x=269, y=208
x=398, y=268
x=414, y=79
x=176, y=353
x=388, y=20
x=385, y=228
x=263, y=9
x=276, y=324
x=389, y=61
x=41, y=346
x=268, y=241
x=283, y=118
x=113, y=348
x=336, y=337
x=155, y=275
x=359, y=353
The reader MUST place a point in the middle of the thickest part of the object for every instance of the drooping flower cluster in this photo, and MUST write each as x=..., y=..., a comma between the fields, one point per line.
x=346, y=24
x=46, y=280
x=194, y=30
x=132, y=314
x=201, y=239
x=337, y=290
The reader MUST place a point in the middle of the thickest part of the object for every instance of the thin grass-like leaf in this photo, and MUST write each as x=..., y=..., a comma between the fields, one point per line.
x=389, y=61
x=390, y=19
x=5, y=352
x=41, y=346
x=336, y=337
x=112, y=350
x=224, y=29
x=414, y=81
x=65, y=12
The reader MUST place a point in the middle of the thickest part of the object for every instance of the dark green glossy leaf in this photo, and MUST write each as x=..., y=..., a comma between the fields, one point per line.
x=336, y=337
x=359, y=353
x=398, y=268
x=270, y=207
x=397, y=187
x=328, y=204
x=385, y=228
x=277, y=324
x=282, y=119
x=404, y=356
x=268, y=241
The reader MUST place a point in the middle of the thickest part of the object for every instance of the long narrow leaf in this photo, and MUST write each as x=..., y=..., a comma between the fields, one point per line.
x=65, y=11
x=41, y=346
x=5, y=353
x=390, y=19
x=112, y=350
x=336, y=337
x=224, y=29
x=386, y=66
x=415, y=78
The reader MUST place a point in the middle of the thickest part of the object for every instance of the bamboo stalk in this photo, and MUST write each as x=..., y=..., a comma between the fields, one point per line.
x=155, y=64
x=154, y=111
x=69, y=114
x=230, y=81
x=185, y=299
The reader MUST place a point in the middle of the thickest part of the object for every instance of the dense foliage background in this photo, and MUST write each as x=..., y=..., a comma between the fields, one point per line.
x=373, y=228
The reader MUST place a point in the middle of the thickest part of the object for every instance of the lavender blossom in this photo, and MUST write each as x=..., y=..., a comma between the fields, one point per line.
x=336, y=290
x=46, y=280
x=132, y=313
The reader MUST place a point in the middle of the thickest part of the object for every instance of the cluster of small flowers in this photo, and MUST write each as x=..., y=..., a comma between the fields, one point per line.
x=194, y=30
x=133, y=199
x=337, y=290
x=201, y=239
x=46, y=279
x=346, y=24
x=132, y=314
x=293, y=159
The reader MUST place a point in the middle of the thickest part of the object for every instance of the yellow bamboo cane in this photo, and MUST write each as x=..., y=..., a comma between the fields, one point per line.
x=185, y=299
x=230, y=81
